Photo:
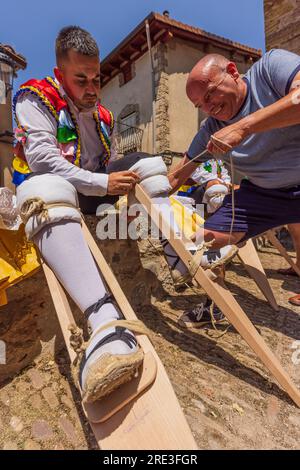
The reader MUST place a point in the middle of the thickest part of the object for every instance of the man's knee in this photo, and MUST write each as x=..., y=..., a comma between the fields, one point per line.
x=48, y=189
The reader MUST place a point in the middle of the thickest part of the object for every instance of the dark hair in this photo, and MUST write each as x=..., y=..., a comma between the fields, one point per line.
x=74, y=37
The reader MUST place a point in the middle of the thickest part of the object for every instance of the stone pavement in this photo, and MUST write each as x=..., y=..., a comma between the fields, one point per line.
x=231, y=401
x=38, y=410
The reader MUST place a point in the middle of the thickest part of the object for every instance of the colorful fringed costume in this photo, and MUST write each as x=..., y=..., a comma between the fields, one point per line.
x=68, y=135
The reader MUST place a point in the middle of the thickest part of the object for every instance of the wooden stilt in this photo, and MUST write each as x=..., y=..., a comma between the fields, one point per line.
x=225, y=301
x=276, y=243
x=150, y=421
x=250, y=259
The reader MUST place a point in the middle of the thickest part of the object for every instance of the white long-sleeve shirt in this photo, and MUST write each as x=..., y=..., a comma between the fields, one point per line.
x=44, y=156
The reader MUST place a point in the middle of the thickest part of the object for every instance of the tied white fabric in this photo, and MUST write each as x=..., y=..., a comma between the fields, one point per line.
x=152, y=172
x=51, y=189
x=214, y=196
x=151, y=166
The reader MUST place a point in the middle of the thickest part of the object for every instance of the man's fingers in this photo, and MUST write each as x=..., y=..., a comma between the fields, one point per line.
x=215, y=149
x=220, y=145
x=128, y=179
x=124, y=188
x=130, y=175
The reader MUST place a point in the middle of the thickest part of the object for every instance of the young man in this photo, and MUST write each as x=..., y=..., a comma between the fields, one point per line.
x=66, y=154
x=66, y=160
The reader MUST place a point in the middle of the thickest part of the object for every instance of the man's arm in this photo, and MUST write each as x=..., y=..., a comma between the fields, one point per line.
x=284, y=113
x=44, y=156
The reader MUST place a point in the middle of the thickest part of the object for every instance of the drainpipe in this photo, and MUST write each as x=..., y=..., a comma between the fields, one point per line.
x=153, y=88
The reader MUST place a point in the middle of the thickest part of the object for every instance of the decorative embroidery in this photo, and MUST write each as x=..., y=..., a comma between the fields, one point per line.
x=34, y=91
x=77, y=143
x=66, y=130
x=103, y=135
x=53, y=83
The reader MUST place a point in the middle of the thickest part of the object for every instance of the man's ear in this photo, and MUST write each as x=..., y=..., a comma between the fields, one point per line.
x=58, y=74
x=232, y=70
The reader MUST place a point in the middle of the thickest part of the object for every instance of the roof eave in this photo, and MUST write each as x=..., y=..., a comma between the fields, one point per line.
x=18, y=60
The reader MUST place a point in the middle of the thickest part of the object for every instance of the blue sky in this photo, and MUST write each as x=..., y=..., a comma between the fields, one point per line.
x=31, y=27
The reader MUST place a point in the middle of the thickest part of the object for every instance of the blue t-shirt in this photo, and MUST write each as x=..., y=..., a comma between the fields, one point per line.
x=269, y=159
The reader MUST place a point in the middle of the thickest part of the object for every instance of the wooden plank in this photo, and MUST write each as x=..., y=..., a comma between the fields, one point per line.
x=152, y=421
x=62, y=307
x=276, y=243
x=250, y=259
x=102, y=410
x=225, y=301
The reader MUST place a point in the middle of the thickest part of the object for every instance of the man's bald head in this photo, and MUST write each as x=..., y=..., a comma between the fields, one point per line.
x=206, y=69
x=214, y=85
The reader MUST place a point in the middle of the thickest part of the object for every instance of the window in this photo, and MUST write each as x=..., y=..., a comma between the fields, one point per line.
x=128, y=121
x=129, y=138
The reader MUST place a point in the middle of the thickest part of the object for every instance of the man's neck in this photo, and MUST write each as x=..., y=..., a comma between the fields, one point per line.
x=243, y=90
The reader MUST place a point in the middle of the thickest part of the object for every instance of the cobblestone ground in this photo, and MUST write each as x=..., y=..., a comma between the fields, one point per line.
x=230, y=402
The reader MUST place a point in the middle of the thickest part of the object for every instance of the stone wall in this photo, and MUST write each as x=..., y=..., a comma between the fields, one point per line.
x=282, y=24
x=161, y=77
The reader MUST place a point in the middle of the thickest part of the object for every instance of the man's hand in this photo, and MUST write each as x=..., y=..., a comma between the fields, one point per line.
x=226, y=139
x=121, y=182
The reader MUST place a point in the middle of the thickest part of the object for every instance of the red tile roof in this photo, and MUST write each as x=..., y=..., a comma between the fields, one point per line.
x=134, y=45
x=204, y=34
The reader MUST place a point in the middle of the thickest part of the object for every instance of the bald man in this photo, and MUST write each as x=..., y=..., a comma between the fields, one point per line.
x=255, y=120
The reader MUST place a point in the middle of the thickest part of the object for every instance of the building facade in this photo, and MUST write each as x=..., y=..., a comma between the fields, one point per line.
x=128, y=84
x=282, y=24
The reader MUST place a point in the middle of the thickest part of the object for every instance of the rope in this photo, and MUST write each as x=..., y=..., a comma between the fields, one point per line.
x=217, y=143
x=195, y=262
x=190, y=161
x=77, y=342
x=214, y=322
x=133, y=325
x=36, y=206
x=79, y=346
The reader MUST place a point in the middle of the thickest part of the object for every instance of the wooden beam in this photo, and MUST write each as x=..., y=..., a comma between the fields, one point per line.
x=250, y=259
x=159, y=34
x=223, y=299
x=276, y=243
